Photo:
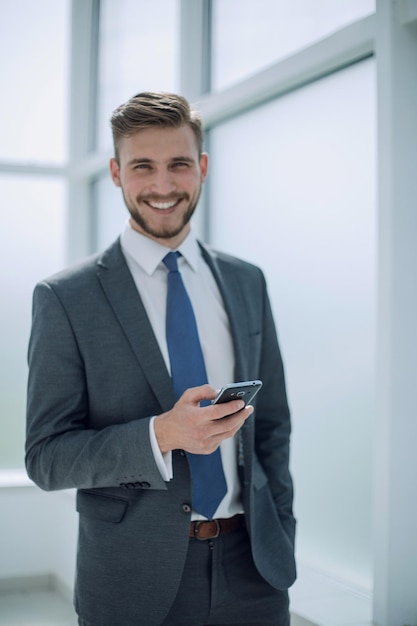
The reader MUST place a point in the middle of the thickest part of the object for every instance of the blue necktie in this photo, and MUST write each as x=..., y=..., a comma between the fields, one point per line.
x=188, y=370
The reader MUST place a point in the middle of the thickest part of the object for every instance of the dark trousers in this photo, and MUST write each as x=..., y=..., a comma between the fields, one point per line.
x=221, y=586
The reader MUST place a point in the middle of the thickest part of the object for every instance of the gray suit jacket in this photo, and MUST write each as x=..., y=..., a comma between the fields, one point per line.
x=96, y=375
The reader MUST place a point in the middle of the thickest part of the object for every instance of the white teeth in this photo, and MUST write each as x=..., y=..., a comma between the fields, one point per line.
x=162, y=205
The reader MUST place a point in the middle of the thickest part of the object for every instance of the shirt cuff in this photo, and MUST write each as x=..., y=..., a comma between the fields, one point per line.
x=163, y=461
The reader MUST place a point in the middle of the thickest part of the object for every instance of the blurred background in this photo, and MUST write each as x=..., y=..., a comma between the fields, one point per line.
x=311, y=127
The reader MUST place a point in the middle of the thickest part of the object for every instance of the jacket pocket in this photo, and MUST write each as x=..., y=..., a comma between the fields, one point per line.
x=259, y=478
x=100, y=506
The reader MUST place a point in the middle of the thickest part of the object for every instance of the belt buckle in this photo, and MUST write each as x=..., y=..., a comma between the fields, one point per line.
x=197, y=525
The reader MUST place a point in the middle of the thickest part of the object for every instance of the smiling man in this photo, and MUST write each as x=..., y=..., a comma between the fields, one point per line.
x=160, y=172
x=185, y=506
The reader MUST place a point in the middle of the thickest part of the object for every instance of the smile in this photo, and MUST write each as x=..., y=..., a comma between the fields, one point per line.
x=163, y=206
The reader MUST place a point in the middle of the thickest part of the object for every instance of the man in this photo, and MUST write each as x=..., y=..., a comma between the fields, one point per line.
x=107, y=415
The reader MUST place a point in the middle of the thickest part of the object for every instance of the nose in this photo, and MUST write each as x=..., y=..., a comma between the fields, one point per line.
x=163, y=182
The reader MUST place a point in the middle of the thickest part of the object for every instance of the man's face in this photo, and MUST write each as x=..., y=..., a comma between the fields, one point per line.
x=160, y=173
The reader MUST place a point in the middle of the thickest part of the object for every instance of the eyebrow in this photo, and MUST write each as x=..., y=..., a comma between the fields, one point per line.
x=136, y=161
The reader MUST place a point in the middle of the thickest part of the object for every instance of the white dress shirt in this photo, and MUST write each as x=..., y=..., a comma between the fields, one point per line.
x=144, y=258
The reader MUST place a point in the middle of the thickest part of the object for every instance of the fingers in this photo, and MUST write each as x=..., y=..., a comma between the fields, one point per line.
x=218, y=430
x=198, y=429
x=224, y=410
x=195, y=395
x=229, y=424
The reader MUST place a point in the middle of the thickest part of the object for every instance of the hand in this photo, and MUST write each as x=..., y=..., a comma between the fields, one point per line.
x=199, y=430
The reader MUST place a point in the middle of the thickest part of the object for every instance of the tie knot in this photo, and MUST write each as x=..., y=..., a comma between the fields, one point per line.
x=171, y=261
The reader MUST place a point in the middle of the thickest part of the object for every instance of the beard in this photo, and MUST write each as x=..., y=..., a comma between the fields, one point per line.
x=160, y=232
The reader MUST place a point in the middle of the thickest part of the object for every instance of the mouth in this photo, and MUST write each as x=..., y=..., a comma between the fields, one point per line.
x=163, y=206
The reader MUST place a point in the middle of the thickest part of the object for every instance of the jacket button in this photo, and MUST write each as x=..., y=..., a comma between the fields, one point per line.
x=123, y=485
x=186, y=508
x=145, y=485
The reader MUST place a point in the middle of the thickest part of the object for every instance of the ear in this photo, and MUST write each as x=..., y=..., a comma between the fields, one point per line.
x=115, y=172
x=204, y=166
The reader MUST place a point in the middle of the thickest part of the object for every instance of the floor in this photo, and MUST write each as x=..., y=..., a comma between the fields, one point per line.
x=48, y=608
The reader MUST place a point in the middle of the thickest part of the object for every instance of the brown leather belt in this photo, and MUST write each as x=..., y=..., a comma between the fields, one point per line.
x=212, y=529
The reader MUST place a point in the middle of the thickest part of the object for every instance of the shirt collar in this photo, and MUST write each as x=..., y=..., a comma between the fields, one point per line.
x=149, y=253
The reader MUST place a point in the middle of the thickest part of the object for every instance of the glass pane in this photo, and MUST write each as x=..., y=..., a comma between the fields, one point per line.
x=32, y=247
x=249, y=36
x=293, y=189
x=34, y=45
x=110, y=212
x=139, y=51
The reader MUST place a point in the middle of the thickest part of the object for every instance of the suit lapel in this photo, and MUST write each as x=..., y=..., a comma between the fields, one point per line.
x=123, y=297
x=231, y=292
x=234, y=303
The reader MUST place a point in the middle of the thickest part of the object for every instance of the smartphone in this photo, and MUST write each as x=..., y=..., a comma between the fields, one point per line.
x=245, y=391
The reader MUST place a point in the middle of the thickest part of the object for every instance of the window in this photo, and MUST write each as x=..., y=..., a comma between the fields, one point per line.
x=32, y=241
x=138, y=51
x=33, y=135
x=34, y=76
x=110, y=212
x=249, y=36
x=293, y=189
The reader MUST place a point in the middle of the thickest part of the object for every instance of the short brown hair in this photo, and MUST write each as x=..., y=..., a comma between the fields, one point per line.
x=154, y=109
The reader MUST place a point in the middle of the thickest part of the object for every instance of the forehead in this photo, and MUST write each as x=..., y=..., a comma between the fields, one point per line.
x=159, y=144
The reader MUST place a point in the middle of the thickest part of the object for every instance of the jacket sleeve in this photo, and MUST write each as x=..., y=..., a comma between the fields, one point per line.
x=62, y=450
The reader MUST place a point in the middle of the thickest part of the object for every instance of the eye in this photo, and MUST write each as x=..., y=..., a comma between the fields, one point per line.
x=142, y=166
x=180, y=164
